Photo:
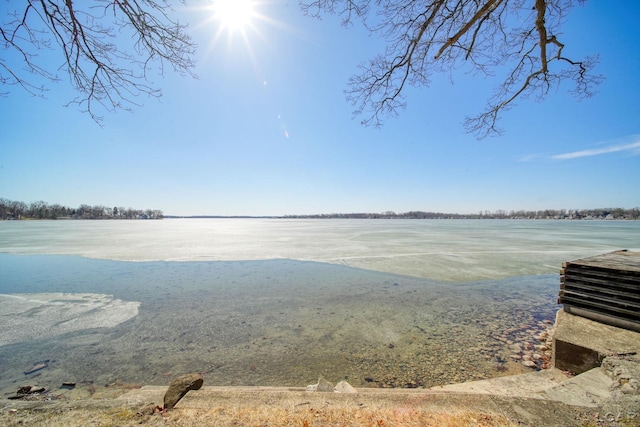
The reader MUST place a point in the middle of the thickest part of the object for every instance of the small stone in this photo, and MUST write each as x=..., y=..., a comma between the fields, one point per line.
x=148, y=409
x=627, y=389
x=631, y=387
x=29, y=389
x=38, y=366
x=324, y=385
x=541, y=337
x=529, y=364
x=180, y=386
x=344, y=387
x=515, y=356
x=26, y=389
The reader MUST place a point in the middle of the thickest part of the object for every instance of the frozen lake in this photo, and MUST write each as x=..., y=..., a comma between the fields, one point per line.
x=389, y=303
x=446, y=250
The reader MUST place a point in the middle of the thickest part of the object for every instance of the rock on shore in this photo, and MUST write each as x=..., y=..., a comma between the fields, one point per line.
x=180, y=386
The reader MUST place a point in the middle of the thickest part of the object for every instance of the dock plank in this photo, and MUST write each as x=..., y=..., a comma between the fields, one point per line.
x=606, y=286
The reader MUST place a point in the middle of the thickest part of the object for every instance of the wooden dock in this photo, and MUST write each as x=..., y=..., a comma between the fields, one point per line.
x=605, y=288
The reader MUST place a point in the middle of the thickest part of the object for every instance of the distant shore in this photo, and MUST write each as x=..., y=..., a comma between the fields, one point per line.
x=400, y=216
x=12, y=210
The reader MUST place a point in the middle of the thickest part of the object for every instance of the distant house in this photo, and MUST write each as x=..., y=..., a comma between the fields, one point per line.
x=144, y=216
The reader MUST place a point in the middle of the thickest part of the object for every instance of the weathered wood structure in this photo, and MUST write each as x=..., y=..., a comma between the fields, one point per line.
x=605, y=288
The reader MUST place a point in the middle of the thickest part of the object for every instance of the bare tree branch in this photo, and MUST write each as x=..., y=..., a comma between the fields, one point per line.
x=485, y=35
x=92, y=37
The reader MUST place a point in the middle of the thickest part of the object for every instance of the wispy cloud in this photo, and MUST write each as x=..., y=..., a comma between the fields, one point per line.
x=633, y=147
x=531, y=157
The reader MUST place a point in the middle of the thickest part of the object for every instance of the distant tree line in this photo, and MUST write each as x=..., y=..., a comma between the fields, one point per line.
x=586, y=214
x=10, y=209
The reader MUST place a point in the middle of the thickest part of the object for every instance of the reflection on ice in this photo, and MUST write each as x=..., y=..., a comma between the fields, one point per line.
x=445, y=250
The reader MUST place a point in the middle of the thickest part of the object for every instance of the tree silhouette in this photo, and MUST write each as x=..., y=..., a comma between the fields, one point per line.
x=422, y=37
x=102, y=69
x=430, y=36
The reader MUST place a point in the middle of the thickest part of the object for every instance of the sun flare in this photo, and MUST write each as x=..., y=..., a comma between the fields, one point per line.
x=234, y=14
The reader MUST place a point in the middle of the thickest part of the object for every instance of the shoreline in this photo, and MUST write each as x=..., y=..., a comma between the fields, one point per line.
x=276, y=406
x=456, y=404
x=598, y=397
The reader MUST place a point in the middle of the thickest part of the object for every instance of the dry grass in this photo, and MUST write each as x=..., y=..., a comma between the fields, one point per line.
x=262, y=415
x=312, y=417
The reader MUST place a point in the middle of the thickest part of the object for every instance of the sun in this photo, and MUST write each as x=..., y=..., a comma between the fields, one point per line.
x=234, y=14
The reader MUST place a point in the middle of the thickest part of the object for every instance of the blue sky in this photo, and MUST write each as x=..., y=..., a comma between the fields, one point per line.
x=266, y=130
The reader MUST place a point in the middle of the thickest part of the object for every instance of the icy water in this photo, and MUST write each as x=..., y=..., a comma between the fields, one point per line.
x=281, y=302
